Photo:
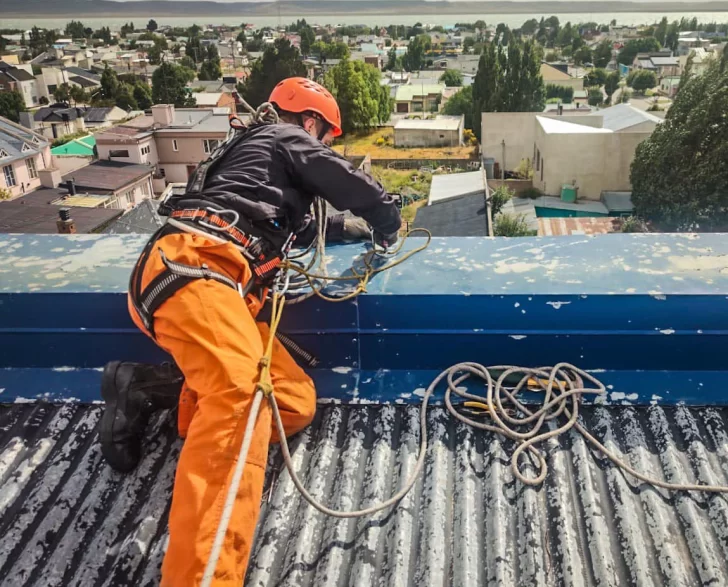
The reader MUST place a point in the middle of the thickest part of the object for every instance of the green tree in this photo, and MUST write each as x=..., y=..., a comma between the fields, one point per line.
x=104, y=33
x=595, y=78
x=78, y=95
x=127, y=28
x=583, y=55
x=530, y=26
x=642, y=80
x=661, y=31
x=210, y=68
x=125, y=97
x=169, y=86
x=672, y=36
x=391, y=60
x=278, y=62
x=679, y=176
x=357, y=89
x=511, y=225
x=308, y=38
x=414, y=59
x=62, y=93
x=109, y=84
x=154, y=54
x=565, y=94
x=595, y=97
x=188, y=62
x=143, y=95
x=152, y=25
x=499, y=197
x=602, y=54
x=629, y=51
x=451, y=78
x=611, y=84
x=461, y=104
x=75, y=30
x=11, y=104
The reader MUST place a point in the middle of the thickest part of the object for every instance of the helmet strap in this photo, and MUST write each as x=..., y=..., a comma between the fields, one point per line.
x=325, y=128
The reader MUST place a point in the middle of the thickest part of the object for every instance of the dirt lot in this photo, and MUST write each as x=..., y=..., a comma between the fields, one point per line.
x=366, y=144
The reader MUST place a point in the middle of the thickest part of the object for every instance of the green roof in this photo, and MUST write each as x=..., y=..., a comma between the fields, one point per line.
x=83, y=147
x=407, y=93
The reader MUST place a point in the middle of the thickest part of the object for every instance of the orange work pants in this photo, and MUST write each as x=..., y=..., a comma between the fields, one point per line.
x=212, y=334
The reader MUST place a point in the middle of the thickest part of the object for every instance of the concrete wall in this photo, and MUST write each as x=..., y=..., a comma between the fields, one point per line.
x=516, y=185
x=174, y=173
x=191, y=150
x=23, y=182
x=597, y=162
x=139, y=191
x=134, y=149
x=29, y=91
x=516, y=129
x=427, y=137
x=67, y=164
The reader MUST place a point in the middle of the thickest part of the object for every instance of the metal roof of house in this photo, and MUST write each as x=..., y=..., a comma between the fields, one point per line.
x=83, y=147
x=84, y=73
x=57, y=113
x=18, y=74
x=207, y=98
x=522, y=207
x=457, y=216
x=18, y=142
x=622, y=116
x=98, y=114
x=107, y=176
x=455, y=185
x=618, y=201
x=577, y=226
x=664, y=61
x=67, y=519
x=30, y=216
x=556, y=126
x=83, y=82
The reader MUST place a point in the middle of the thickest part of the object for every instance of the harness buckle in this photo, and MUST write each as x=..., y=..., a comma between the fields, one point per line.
x=212, y=213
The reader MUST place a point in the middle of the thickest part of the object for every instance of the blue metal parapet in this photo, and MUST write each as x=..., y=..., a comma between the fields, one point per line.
x=647, y=313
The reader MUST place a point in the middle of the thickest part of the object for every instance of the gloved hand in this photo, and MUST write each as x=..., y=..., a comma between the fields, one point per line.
x=385, y=241
x=356, y=229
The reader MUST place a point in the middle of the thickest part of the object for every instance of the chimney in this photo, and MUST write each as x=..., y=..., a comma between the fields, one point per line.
x=49, y=177
x=561, y=109
x=65, y=223
x=163, y=114
x=71, y=187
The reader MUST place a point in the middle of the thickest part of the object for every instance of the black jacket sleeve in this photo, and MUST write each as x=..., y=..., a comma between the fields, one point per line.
x=307, y=232
x=321, y=171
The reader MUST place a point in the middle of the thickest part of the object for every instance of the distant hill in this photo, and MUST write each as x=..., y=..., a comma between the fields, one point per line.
x=95, y=8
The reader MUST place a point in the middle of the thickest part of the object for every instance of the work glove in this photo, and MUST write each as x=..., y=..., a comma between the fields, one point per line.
x=385, y=241
x=356, y=229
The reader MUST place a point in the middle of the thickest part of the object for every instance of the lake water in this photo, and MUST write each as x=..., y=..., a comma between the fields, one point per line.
x=512, y=20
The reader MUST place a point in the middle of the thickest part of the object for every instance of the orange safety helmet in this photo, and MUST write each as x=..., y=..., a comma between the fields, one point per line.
x=300, y=95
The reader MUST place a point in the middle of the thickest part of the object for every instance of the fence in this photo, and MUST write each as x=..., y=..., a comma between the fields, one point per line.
x=517, y=185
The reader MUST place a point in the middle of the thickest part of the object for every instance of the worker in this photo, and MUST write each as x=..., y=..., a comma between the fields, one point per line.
x=196, y=290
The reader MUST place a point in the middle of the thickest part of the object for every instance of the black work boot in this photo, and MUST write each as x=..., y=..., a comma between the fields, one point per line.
x=133, y=392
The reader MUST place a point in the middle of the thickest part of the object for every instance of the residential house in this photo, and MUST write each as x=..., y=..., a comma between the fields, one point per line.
x=594, y=150
x=18, y=79
x=669, y=85
x=442, y=131
x=98, y=118
x=467, y=64
x=373, y=59
x=215, y=100
x=661, y=62
x=54, y=121
x=172, y=140
x=23, y=157
x=83, y=78
x=50, y=78
x=418, y=98
x=701, y=60
x=555, y=76
x=691, y=41
x=74, y=154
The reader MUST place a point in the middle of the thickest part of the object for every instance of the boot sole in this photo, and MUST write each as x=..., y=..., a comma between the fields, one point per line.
x=111, y=398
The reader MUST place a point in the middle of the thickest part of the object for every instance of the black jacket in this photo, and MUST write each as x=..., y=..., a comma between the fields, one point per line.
x=272, y=174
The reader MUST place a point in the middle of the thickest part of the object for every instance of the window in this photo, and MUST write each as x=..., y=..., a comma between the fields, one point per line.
x=32, y=171
x=175, y=147
x=3, y=153
x=543, y=164
x=119, y=153
x=9, y=176
x=129, y=197
x=162, y=172
x=145, y=189
x=145, y=150
x=538, y=160
x=209, y=145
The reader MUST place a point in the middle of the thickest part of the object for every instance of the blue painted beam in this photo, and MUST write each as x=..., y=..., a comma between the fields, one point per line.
x=624, y=305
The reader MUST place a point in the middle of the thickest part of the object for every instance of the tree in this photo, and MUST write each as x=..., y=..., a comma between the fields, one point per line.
x=499, y=197
x=78, y=95
x=104, y=33
x=127, y=28
x=308, y=38
x=210, y=68
x=152, y=25
x=169, y=86
x=595, y=78
x=75, y=30
x=11, y=104
x=188, y=63
x=529, y=27
x=125, y=98
x=563, y=93
x=461, y=104
x=109, y=84
x=357, y=89
x=661, y=31
x=679, y=176
x=280, y=61
x=154, y=54
x=511, y=225
x=596, y=97
x=62, y=93
x=642, y=80
x=414, y=59
x=583, y=55
x=143, y=95
x=602, y=54
x=629, y=51
x=672, y=36
x=611, y=84
x=451, y=78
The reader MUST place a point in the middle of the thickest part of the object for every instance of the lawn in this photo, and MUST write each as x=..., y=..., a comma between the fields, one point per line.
x=413, y=185
x=369, y=143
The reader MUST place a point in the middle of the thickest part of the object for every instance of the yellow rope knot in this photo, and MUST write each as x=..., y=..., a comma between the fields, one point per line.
x=265, y=387
x=264, y=362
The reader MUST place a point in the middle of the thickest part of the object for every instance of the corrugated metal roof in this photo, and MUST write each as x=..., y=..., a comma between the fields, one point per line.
x=455, y=185
x=618, y=201
x=623, y=116
x=66, y=519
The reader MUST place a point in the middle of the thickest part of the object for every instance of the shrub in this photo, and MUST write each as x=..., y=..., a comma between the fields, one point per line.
x=532, y=193
x=524, y=169
x=634, y=224
x=5, y=194
x=498, y=198
x=379, y=142
x=512, y=225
